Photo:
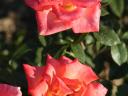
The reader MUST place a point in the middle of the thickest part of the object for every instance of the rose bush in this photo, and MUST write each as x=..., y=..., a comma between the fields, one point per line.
x=63, y=77
x=8, y=90
x=58, y=15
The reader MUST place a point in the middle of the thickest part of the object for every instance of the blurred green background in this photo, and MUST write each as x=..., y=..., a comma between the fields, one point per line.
x=106, y=52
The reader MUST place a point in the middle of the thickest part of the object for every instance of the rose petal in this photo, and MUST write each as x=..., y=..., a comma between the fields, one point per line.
x=65, y=60
x=34, y=4
x=89, y=22
x=85, y=3
x=8, y=90
x=37, y=76
x=34, y=75
x=58, y=65
x=76, y=70
x=59, y=88
x=69, y=16
x=73, y=70
x=40, y=5
x=48, y=23
x=95, y=89
x=73, y=84
x=40, y=89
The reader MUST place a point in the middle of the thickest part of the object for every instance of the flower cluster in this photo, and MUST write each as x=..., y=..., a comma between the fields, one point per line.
x=59, y=77
x=63, y=77
x=58, y=15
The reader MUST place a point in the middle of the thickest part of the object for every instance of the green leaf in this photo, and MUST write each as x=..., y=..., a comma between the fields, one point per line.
x=125, y=36
x=42, y=40
x=98, y=46
x=117, y=7
x=78, y=52
x=89, y=39
x=105, y=1
x=104, y=12
x=61, y=42
x=107, y=36
x=60, y=51
x=19, y=52
x=38, y=57
x=119, y=53
x=81, y=55
x=20, y=36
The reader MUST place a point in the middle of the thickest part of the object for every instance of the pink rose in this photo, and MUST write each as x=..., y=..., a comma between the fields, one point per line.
x=8, y=90
x=63, y=77
x=58, y=15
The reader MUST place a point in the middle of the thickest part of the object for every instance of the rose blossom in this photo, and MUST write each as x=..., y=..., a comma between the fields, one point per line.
x=58, y=15
x=63, y=77
x=8, y=90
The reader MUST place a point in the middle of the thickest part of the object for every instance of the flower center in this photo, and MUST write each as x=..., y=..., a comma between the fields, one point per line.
x=69, y=6
x=49, y=93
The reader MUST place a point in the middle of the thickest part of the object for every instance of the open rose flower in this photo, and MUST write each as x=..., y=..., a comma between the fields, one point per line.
x=58, y=15
x=63, y=77
x=8, y=90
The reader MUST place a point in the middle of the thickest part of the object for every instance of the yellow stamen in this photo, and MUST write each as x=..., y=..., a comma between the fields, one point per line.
x=49, y=93
x=69, y=7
